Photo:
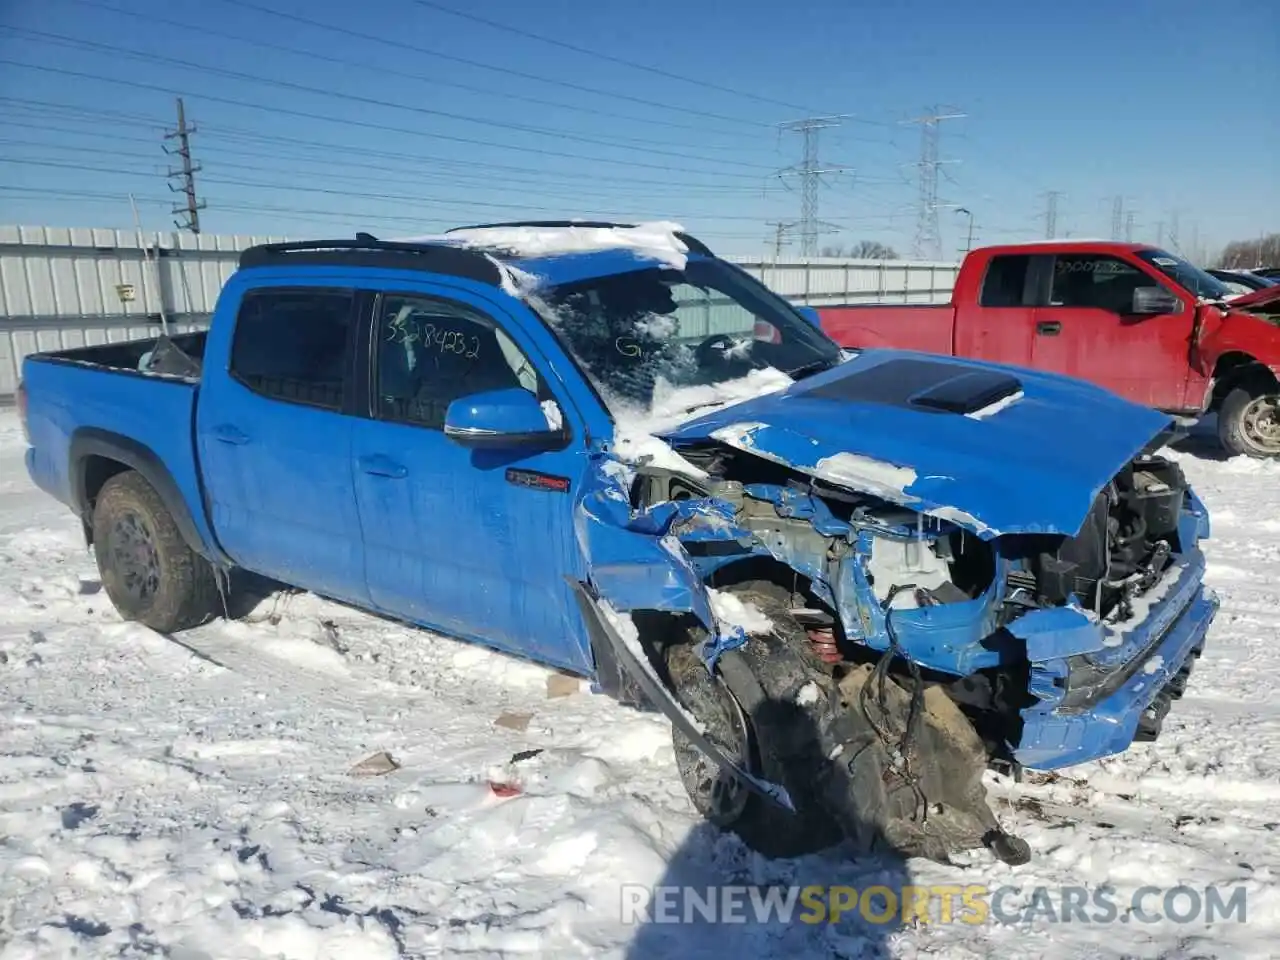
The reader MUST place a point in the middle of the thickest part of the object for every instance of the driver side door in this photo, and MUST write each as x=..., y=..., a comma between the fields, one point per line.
x=1087, y=329
x=477, y=543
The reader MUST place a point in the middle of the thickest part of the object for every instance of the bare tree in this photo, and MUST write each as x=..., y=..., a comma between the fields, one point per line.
x=1258, y=252
x=862, y=250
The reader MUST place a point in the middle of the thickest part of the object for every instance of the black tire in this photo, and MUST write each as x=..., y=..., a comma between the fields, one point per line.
x=148, y=571
x=761, y=824
x=1239, y=421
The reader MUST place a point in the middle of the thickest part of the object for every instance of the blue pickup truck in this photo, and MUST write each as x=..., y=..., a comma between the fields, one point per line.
x=852, y=583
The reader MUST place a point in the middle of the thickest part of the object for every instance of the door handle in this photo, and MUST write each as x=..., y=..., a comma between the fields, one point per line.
x=380, y=466
x=228, y=433
x=1049, y=328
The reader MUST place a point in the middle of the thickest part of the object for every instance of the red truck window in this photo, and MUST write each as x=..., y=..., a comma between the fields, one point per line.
x=1089, y=280
x=1006, y=281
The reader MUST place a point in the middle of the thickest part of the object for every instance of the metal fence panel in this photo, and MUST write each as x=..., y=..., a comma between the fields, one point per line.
x=63, y=287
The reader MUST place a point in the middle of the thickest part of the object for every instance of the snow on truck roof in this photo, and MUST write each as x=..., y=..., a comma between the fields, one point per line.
x=522, y=255
x=563, y=251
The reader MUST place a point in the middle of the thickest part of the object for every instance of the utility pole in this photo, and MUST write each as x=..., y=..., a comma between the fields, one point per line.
x=1117, y=217
x=190, y=210
x=968, y=244
x=1051, y=214
x=810, y=171
x=780, y=230
x=928, y=241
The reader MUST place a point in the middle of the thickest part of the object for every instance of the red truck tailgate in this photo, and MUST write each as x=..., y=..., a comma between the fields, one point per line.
x=924, y=327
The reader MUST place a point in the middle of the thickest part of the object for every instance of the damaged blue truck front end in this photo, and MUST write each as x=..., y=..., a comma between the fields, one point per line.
x=1014, y=535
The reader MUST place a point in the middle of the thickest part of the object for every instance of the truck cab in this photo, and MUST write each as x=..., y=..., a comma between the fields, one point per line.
x=1132, y=318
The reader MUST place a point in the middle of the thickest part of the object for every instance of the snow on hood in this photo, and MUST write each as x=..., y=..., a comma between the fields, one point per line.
x=656, y=240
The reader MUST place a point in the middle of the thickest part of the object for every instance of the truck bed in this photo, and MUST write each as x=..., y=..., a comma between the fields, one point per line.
x=83, y=401
x=928, y=327
x=165, y=356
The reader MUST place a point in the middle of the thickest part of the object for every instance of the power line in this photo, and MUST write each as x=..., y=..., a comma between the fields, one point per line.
x=810, y=172
x=309, y=188
x=364, y=124
x=240, y=134
x=426, y=51
x=609, y=58
x=191, y=211
x=928, y=239
x=442, y=177
x=299, y=213
x=394, y=71
x=119, y=51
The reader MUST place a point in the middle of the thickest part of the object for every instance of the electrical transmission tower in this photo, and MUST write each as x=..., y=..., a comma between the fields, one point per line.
x=190, y=210
x=928, y=242
x=1128, y=227
x=1051, y=214
x=810, y=171
x=781, y=229
x=1117, y=217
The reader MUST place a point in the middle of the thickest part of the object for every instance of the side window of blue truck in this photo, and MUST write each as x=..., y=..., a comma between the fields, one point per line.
x=431, y=352
x=293, y=345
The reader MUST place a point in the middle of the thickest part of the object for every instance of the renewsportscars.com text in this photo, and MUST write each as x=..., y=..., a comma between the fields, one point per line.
x=973, y=904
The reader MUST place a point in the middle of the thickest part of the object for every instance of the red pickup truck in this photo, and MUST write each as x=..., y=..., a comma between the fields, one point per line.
x=1130, y=317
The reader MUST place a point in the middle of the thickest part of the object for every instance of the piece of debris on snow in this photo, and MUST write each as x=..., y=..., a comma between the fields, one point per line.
x=504, y=790
x=562, y=685
x=513, y=721
x=732, y=611
x=522, y=755
x=377, y=765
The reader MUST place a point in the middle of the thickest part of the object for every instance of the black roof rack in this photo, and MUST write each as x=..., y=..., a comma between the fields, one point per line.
x=367, y=250
x=693, y=243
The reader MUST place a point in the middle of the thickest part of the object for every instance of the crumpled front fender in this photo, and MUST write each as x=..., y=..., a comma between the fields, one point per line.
x=632, y=558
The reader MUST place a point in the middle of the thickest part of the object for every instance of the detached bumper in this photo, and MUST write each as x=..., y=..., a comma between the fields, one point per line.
x=1121, y=702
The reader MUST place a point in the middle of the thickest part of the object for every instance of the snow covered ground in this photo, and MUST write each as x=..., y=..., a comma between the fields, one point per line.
x=195, y=803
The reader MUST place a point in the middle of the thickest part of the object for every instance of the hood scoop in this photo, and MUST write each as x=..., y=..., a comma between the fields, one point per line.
x=930, y=386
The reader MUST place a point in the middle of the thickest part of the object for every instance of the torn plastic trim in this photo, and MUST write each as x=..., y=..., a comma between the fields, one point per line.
x=660, y=697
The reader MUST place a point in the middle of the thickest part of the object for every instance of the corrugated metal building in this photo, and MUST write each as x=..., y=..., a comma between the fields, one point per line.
x=63, y=287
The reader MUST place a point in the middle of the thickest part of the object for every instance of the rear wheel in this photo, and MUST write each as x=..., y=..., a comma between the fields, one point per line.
x=1249, y=422
x=148, y=571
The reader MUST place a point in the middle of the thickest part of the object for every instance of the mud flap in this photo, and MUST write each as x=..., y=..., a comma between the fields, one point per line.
x=631, y=670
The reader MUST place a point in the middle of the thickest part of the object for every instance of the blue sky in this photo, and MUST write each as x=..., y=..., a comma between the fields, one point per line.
x=407, y=118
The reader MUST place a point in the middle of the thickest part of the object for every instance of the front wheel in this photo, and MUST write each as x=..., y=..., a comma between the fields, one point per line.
x=149, y=573
x=1249, y=422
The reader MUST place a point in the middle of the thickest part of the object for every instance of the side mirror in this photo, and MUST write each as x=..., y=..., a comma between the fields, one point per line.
x=1150, y=301
x=810, y=314
x=505, y=419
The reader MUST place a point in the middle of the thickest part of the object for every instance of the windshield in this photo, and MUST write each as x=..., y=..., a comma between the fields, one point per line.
x=1187, y=275
x=636, y=334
